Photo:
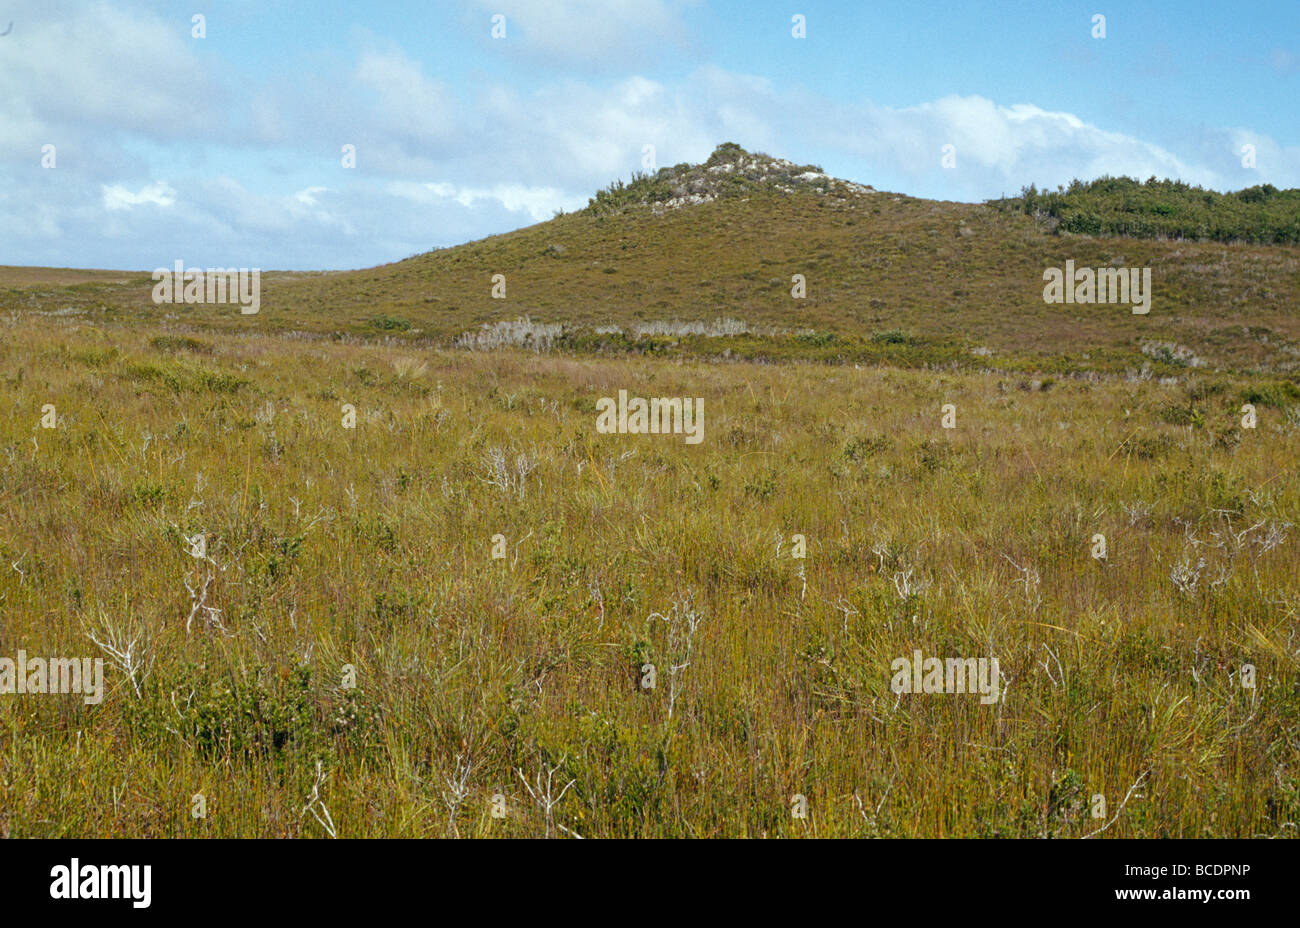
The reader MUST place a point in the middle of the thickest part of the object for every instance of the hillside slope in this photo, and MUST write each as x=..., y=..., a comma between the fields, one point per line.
x=716, y=247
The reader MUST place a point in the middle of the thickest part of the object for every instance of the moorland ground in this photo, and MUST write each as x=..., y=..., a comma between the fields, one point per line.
x=372, y=547
x=348, y=656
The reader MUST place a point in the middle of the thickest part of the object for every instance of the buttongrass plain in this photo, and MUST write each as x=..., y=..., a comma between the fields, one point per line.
x=348, y=658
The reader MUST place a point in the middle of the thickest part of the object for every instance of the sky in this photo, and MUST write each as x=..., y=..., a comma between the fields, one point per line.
x=127, y=141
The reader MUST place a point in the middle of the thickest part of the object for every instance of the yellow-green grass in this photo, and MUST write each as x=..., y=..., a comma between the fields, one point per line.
x=372, y=547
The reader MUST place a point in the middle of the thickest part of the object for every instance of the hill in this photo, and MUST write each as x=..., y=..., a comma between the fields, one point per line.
x=701, y=261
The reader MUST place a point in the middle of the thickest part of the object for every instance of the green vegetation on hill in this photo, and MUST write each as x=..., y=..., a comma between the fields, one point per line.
x=643, y=188
x=1164, y=209
x=729, y=171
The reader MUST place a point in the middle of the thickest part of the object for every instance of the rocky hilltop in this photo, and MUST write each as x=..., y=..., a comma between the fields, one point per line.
x=730, y=171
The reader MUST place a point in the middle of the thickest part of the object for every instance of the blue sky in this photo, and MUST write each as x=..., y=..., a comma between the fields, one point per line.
x=227, y=150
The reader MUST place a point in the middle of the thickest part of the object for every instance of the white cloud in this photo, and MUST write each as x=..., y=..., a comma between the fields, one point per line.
x=578, y=137
x=507, y=147
x=104, y=71
x=538, y=203
x=308, y=197
x=408, y=104
x=118, y=197
x=999, y=145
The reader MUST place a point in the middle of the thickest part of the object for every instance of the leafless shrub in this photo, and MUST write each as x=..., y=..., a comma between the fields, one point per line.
x=315, y=802
x=519, y=333
x=1274, y=536
x=457, y=790
x=128, y=646
x=543, y=793
x=199, y=607
x=1030, y=579
x=1185, y=575
x=1132, y=791
x=1171, y=353
x=683, y=621
x=848, y=610
x=1137, y=511
x=505, y=478
x=718, y=328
